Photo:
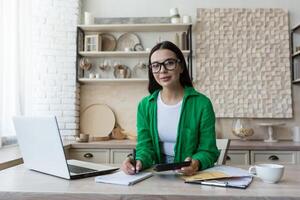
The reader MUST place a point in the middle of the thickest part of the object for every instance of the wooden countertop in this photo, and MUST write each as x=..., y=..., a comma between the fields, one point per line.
x=282, y=145
x=21, y=183
x=10, y=156
x=122, y=144
x=234, y=145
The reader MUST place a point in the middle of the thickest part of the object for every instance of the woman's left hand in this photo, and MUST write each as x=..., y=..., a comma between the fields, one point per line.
x=192, y=169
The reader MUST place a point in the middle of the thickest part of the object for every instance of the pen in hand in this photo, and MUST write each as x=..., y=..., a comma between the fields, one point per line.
x=134, y=160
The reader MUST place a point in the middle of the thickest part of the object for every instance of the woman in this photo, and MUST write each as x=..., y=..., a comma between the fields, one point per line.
x=175, y=122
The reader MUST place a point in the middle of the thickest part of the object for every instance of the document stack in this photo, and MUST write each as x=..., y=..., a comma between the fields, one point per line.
x=222, y=176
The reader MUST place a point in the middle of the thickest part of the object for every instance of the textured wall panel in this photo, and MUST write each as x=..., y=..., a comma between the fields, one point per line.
x=243, y=61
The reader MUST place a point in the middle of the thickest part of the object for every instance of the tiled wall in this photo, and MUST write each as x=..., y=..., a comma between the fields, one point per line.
x=243, y=61
x=55, y=90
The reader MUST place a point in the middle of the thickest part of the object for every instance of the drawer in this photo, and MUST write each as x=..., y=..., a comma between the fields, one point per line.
x=237, y=157
x=90, y=155
x=280, y=157
x=119, y=155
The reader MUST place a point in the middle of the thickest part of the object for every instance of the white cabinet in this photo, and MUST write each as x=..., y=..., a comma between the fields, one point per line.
x=147, y=34
x=277, y=157
x=252, y=157
x=114, y=156
x=238, y=158
x=118, y=155
x=90, y=155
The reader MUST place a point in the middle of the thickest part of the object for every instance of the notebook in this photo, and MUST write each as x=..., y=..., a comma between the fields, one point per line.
x=120, y=178
x=218, y=172
x=236, y=182
x=222, y=176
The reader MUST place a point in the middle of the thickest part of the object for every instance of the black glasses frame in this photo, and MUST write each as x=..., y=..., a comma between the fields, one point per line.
x=164, y=64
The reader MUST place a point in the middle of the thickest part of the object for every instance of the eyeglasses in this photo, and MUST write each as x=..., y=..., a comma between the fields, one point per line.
x=169, y=65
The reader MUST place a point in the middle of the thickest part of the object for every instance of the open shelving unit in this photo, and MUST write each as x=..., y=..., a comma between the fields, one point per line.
x=120, y=53
x=82, y=30
x=295, y=56
x=106, y=80
x=134, y=27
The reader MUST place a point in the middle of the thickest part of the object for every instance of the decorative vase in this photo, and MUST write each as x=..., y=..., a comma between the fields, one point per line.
x=241, y=128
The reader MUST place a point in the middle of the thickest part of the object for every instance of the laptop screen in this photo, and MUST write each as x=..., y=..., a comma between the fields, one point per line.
x=41, y=145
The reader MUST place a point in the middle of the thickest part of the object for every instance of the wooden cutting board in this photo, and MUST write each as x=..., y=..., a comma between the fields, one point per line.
x=98, y=120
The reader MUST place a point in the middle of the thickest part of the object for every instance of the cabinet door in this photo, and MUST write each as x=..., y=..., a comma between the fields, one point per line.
x=118, y=155
x=90, y=155
x=280, y=157
x=235, y=157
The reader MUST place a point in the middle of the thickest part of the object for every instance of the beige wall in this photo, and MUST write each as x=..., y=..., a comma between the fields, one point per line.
x=124, y=97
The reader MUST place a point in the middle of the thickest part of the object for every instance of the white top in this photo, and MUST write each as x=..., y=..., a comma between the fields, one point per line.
x=167, y=123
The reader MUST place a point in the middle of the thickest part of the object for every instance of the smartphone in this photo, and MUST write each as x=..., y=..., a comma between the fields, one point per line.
x=170, y=166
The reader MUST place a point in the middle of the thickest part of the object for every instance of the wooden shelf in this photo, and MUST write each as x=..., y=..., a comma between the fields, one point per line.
x=296, y=54
x=297, y=81
x=112, y=80
x=134, y=27
x=144, y=29
x=120, y=53
x=296, y=28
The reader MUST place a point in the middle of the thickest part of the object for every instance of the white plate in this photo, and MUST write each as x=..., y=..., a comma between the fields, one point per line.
x=98, y=120
x=127, y=40
x=109, y=42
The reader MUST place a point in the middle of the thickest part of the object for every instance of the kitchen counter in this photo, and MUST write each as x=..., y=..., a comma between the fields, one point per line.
x=10, y=156
x=122, y=144
x=234, y=145
x=21, y=183
x=282, y=145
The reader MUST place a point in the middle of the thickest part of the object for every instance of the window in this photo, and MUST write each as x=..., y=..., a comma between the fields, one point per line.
x=14, y=65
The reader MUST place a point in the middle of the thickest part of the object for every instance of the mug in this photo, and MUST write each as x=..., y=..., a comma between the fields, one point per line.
x=84, y=137
x=186, y=19
x=175, y=20
x=174, y=12
x=269, y=173
x=91, y=75
x=88, y=18
x=296, y=134
x=127, y=49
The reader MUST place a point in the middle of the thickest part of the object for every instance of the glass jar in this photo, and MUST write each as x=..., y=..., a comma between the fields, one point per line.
x=241, y=128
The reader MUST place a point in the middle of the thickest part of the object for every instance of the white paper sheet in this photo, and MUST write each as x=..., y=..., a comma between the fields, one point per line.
x=121, y=178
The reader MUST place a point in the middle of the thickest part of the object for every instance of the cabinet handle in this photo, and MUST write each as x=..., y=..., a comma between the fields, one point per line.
x=88, y=155
x=273, y=157
x=228, y=158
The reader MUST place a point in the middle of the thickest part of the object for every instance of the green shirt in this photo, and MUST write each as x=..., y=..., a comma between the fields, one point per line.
x=195, y=133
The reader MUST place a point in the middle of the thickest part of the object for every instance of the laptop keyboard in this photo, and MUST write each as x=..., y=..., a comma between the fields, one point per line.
x=79, y=170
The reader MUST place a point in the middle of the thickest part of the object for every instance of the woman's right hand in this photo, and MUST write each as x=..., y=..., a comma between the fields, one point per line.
x=128, y=168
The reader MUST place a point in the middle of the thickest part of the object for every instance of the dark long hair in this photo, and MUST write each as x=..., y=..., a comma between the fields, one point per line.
x=184, y=78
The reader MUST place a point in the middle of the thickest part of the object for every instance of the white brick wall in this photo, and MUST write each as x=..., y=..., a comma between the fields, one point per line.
x=55, y=90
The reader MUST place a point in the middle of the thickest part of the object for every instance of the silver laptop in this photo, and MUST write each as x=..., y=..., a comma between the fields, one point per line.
x=42, y=150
